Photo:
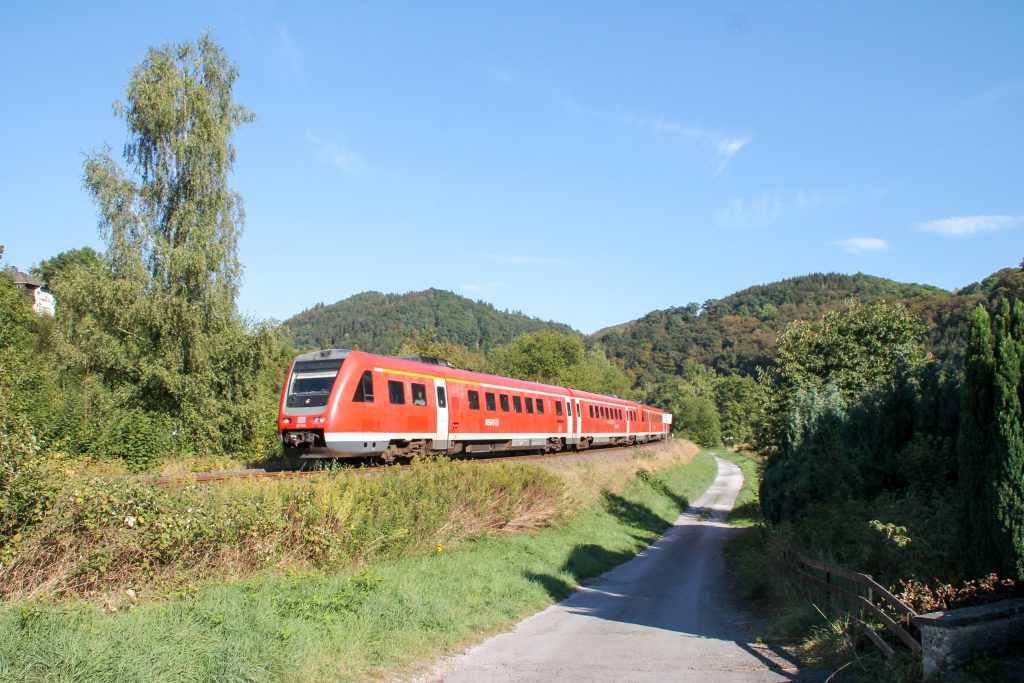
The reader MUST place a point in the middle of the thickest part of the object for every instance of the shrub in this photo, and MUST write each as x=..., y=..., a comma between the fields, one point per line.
x=27, y=488
x=698, y=420
x=103, y=534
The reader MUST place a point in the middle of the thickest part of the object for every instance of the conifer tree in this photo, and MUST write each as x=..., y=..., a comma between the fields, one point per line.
x=975, y=444
x=1008, y=472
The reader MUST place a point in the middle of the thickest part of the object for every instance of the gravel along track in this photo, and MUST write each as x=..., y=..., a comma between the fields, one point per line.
x=551, y=461
x=663, y=616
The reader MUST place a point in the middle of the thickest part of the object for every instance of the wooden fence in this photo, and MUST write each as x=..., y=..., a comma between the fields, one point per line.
x=872, y=601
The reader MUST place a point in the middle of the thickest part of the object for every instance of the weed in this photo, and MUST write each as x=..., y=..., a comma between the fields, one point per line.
x=298, y=620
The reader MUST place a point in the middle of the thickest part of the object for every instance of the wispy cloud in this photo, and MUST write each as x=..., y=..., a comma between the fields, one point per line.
x=519, y=260
x=964, y=226
x=769, y=207
x=859, y=245
x=290, y=51
x=334, y=153
x=478, y=286
x=993, y=96
x=722, y=146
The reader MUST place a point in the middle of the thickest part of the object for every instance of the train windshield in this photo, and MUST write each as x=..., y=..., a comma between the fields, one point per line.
x=312, y=383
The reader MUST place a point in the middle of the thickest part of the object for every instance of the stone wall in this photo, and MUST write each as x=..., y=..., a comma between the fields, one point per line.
x=950, y=638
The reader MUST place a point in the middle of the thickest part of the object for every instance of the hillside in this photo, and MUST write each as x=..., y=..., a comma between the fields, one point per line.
x=377, y=322
x=738, y=333
x=735, y=334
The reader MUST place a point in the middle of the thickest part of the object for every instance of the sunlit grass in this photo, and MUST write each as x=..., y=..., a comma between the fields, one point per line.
x=314, y=625
x=747, y=510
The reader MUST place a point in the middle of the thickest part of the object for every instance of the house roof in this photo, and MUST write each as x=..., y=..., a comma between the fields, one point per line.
x=21, y=278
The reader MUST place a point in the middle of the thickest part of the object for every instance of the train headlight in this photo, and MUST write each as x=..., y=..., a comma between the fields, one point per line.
x=318, y=420
x=287, y=421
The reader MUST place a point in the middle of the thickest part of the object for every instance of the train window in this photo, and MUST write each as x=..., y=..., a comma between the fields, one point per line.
x=441, y=401
x=517, y=404
x=591, y=411
x=474, y=400
x=540, y=406
x=558, y=407
x=529, y=404
x=419, y=394
x=604, y=412
x=364, y=390
x=396, y=392
x=503, y=399
x=489, y=398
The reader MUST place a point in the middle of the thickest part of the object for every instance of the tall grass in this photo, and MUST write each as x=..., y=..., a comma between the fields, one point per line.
x=316, y=624
x=105, y=536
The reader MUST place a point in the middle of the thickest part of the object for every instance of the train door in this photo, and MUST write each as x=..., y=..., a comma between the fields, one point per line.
x=568, y=430
x=441, y=437
x=579, y=420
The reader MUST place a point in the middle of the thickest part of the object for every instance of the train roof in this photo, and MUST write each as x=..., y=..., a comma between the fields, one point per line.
x=441, y=368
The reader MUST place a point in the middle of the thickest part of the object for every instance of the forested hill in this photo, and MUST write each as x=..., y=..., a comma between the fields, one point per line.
x=738, y=333
x=377, y=322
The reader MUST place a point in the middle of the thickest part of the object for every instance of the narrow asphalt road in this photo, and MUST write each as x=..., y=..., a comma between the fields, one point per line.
x=663, y=616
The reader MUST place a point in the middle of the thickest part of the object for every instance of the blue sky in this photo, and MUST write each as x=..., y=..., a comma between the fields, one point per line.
x=585, y=162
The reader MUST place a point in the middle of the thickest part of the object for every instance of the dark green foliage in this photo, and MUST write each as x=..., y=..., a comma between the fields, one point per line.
x=991, y=445
x=739, y=408
x=157, y=324
x=738, y=333
x=812, y=465
x=1009, y=428
x=975, y=442
x=560, y=359
x=27, y=486
x=842, y=403
x=426, y=343
x=697, y=420
x=51, y=269
x=380, y=323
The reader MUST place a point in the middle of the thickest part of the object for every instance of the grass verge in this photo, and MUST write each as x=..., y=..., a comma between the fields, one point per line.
x=747, y=510
x=311, y=624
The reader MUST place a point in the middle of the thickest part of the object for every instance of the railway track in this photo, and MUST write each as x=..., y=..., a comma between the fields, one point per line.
x=253, y=474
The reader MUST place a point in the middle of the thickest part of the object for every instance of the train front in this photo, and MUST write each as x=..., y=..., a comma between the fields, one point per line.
x=307, y=409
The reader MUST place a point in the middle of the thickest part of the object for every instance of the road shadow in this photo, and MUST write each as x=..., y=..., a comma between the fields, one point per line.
x=635, y=515
x=584, y=561
x=749, y=510
x=677, y=584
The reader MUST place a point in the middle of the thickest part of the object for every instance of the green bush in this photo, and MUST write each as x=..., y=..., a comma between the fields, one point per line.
x=27, y=487
x=698, y=421
x=103, y=534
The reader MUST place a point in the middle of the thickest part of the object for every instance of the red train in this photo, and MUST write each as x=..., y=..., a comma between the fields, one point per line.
x=338, y=403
